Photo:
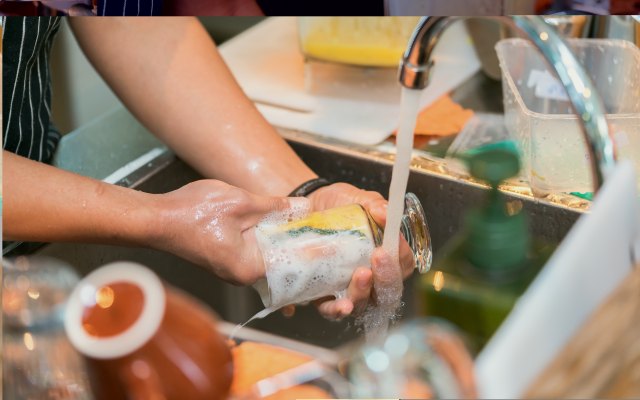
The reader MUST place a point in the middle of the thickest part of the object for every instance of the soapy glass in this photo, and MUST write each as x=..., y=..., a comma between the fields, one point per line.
x=315, y=256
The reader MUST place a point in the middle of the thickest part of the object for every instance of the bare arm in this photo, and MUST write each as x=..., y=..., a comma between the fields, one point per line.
x=207, y=222
x=43, y=203
x=170, y=75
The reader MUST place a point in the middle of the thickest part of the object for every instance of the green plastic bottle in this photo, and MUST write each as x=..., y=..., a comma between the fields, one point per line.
x=479, y=275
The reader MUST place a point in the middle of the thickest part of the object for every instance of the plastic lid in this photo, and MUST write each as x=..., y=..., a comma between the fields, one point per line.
x=496, y=240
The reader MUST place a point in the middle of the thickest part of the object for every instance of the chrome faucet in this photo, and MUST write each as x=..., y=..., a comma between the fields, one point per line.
x=417, y=62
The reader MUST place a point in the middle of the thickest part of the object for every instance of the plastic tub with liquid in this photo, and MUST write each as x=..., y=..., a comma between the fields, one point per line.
x=538, y=112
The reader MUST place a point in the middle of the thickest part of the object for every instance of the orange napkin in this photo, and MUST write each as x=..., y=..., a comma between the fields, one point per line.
x=442, y=118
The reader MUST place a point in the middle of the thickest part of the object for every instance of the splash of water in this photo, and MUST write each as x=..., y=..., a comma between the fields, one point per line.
x=259, y=315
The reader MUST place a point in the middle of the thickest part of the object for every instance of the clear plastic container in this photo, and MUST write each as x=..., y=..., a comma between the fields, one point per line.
x=537, y=110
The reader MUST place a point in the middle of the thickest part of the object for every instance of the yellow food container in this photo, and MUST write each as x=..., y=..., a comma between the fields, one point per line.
x=363, y=41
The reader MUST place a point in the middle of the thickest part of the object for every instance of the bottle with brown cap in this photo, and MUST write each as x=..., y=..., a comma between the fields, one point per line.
x=145, y=340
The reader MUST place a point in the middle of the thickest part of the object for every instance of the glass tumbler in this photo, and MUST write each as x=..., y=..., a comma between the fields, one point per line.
x=424, y=358
x=315, y=256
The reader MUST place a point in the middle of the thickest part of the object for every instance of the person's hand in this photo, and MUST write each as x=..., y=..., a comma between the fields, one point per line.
x=363, y=279
x=210, y=223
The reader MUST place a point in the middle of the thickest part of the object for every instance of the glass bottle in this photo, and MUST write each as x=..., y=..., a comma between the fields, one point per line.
x=315, y=256
x=481, y=273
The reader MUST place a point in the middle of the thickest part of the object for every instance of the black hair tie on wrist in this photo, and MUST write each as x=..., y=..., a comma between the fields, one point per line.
x=309, y=186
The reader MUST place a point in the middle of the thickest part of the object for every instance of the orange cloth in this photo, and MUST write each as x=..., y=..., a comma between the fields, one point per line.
x=255, y=361
x=442, y=118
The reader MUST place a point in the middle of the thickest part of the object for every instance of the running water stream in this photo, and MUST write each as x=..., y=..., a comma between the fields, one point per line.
x=375, y=320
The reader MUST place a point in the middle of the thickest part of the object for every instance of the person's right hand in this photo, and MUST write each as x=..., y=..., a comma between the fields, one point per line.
x=210, y=223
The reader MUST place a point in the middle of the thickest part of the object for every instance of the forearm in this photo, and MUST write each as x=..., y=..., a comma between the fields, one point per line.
x=170, y=75
x=45, y=204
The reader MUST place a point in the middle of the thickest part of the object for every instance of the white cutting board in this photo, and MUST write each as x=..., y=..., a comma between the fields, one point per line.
x=268, y=65
x=591, y=262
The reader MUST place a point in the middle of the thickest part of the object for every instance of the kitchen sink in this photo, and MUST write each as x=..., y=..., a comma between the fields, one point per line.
x=445, y=198
x=149, y=166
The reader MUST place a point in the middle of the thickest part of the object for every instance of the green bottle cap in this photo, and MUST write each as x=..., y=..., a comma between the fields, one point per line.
x=495, y=240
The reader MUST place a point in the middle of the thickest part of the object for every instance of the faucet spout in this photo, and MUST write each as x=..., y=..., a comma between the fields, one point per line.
x=417, y=62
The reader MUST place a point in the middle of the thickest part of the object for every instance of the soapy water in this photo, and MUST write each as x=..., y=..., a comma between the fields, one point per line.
x=312, y=257
x=259, y=315
x=311, y=265
x=299, y=207
x=307, y=263
x=307, y=267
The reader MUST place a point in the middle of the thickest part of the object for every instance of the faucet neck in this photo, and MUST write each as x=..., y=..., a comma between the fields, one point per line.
x=417, y=60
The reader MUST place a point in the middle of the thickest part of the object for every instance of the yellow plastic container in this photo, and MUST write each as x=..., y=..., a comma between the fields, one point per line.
x=363, y=41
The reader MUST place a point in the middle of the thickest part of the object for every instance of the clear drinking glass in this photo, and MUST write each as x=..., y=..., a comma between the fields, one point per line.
x=422, y=359
x=35, y=291
x=38, y=360
x=315, y=256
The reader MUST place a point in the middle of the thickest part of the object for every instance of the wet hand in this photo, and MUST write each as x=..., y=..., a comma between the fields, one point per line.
x=211, y=223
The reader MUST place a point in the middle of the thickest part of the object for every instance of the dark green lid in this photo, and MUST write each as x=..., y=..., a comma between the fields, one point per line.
x=495, y=240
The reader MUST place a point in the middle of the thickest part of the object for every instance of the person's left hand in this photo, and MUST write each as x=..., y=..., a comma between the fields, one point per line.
x=362, y=280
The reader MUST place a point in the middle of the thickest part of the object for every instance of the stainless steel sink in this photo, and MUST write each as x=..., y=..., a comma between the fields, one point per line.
x=444, y=200
x=444, y=197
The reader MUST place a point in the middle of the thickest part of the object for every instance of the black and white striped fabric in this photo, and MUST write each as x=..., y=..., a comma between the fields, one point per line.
x=27, y=86
x=130, y=7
